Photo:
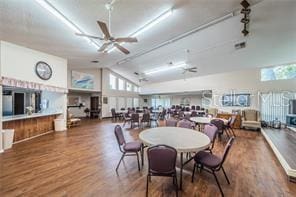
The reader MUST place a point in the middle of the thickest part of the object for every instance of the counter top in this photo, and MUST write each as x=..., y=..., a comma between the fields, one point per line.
x=25, y=116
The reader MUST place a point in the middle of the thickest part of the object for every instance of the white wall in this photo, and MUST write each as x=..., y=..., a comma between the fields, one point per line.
x=107, y=92
x=19, y=63
x=194, y=99
x=95, y=71
x=85, y=98
x=247, y=81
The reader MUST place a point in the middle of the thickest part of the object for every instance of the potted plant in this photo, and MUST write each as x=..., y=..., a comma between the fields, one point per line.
x=87, y=111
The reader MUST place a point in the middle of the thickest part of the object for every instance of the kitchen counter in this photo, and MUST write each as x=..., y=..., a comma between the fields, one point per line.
x=26, y=116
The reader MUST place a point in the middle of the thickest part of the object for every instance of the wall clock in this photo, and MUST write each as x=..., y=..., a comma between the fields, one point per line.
x=43, y=70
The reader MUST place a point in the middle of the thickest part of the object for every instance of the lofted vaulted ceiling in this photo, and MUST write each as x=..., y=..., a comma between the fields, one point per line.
x=26, y=23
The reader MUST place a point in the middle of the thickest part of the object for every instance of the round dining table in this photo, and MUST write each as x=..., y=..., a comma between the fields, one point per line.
x=206, y=120
x=182, y=139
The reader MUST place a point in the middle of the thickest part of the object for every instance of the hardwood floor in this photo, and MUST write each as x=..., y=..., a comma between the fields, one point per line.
x=82, y=162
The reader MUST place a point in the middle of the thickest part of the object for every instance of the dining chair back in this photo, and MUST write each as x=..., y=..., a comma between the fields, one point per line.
x=219, y=124
x=171, y=122
x=211, y=131
x=162, y=162
x=119, y=136
x=185, y=124
x=194, y=114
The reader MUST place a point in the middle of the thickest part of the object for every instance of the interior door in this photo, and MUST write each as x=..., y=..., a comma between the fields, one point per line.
x=19, y=103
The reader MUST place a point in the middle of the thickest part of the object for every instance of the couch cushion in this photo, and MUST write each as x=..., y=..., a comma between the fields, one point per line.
x=251, y=115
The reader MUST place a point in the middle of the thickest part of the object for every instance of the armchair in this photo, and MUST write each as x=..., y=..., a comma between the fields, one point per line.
x=251, y=119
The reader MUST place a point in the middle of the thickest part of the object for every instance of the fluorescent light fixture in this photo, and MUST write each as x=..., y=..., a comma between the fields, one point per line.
x=148, y=25
x=166, y=68
x=49, y=7
x=152, y=23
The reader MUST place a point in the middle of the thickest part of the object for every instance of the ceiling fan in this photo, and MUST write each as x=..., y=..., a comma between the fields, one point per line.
x=141, y=76
x=108, y=39
x=190, y=69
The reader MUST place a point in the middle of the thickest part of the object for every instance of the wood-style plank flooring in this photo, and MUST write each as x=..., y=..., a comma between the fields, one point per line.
x=285, y=141
x=82, y=161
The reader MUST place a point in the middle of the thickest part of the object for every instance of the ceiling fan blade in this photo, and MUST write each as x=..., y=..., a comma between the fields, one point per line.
x=89, y=36
x=103, y=47
x=193, y=71
x=104, y=29
x=128, y=39
x=192, y=68
x=121, y=48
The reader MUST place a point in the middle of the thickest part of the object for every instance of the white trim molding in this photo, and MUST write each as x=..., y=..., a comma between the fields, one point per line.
x=289, y=171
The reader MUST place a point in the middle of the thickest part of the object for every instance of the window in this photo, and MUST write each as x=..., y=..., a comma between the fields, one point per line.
x=275, y=105
x=136, y=102
x=120, y=102
x=128, y=86
x=112, y=82
x=136, y=89
x=129, y=102
x=112, y=103
x=120, y=84
x=279, y=72
x=161, y=102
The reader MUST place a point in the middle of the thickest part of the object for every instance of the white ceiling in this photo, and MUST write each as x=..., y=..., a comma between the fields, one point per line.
x=26, y=23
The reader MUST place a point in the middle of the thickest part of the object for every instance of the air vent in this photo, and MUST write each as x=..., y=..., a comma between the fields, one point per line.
x=240, y=45
x=95, y=61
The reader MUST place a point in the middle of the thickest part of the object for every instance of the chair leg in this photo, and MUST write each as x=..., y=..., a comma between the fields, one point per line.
x=142, y=155
x=193, y=172
x=138, y=161
x=222, y=194
x=120, y=161
x=232, y=131
x=176, y=184
x=147, y=185
x=225, y=175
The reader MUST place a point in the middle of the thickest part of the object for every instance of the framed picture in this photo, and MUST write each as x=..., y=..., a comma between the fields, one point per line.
x=82, y=80
x=239, y=100
x=74, y=100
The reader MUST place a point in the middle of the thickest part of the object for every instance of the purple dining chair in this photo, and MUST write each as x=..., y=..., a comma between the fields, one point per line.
x=212, y=163
x=186, y=124
x=211, y=131
x=145, y=119
x=230, y=125
x=220, y=125
x=171, y=122
x=135, y=118
x=126, y=118
x=162, y=162
x=128, y=148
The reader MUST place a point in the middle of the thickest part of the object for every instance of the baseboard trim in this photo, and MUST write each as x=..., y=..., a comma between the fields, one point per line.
x=33, y=137
x=289, y=171
x=1, y=151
